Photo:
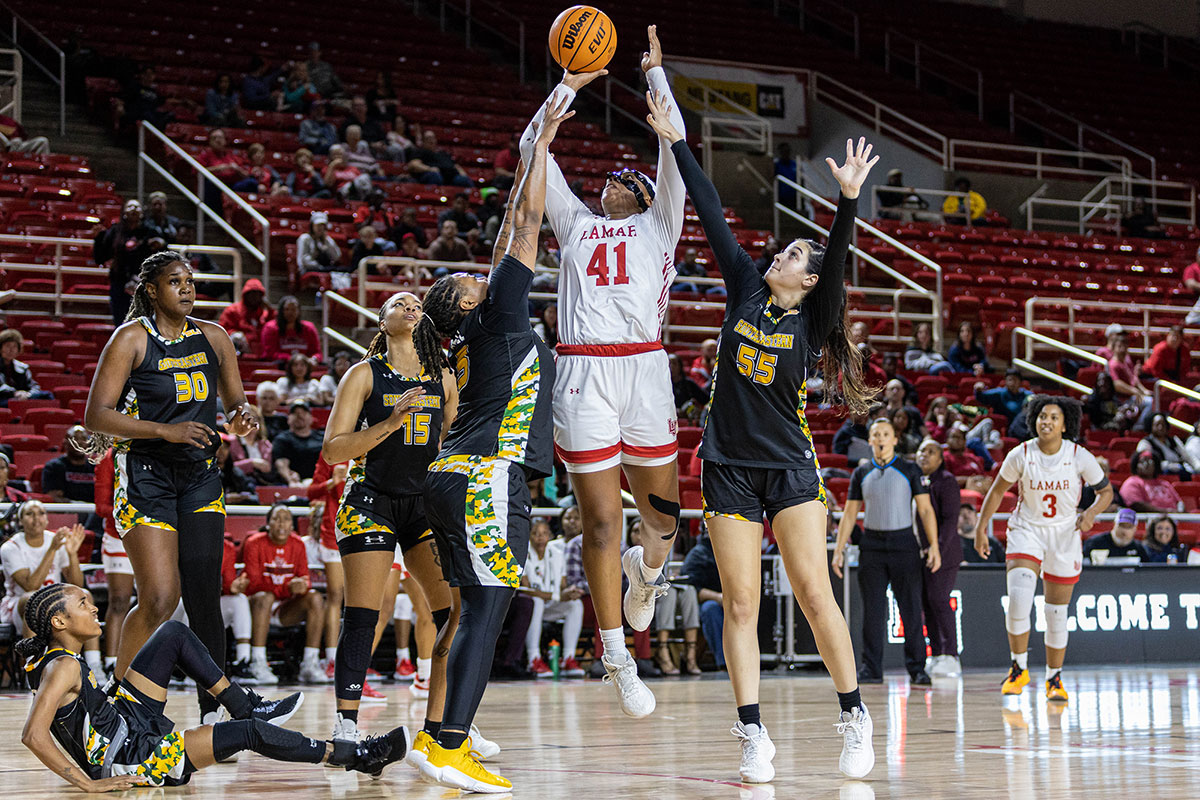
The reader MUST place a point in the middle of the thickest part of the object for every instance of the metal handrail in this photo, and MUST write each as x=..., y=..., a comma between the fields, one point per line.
x=719, y=109
x=1138, y=28
x=262, y=254
x=14, y=106
x=469, y=21
x=1122, y=164
x=882, y=118
x=805, y=9
x=918, y=47
x=59, y=79
x=1074, y=305
x=1087, y=210
x=964, y=199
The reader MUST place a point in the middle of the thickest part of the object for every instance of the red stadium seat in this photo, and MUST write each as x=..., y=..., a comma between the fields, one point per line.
x=39, y=418
x=25, y=441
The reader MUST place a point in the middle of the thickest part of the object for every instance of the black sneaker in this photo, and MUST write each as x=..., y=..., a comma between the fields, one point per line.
x=278, y=711
x=865, y=676
x=376, y=752
x=240, y=672
x=921, y=678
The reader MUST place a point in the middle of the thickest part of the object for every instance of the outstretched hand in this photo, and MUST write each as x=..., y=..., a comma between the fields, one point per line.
x=660, y=117
x=577, y=80
x=653, y=57
x=851, y=175
x=556, y=114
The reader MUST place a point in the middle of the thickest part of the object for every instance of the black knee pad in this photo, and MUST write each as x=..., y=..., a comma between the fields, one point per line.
x=440, y=617
x=667, y=508
x=354, y=651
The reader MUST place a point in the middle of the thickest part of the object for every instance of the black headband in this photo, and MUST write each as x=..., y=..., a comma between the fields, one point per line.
x=643, y=198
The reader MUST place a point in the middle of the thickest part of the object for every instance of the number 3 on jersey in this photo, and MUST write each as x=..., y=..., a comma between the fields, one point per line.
x=1051, y=503
x=598, y=265
x=756, y=365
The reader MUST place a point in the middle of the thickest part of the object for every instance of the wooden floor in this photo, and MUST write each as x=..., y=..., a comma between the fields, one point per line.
x=1132, y=734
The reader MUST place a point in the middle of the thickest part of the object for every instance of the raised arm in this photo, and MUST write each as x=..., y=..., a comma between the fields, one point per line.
x=528, y=204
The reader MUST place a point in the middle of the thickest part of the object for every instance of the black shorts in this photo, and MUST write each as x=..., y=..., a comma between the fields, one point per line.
x=479, y=507
x=151, y=491
x=152, y=747
x=369, y=521
x=746, y=492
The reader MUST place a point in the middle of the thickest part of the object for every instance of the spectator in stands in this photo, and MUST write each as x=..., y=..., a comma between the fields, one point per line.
x=1110, y=339
x=321, y=73
x=245, y=319
x=920, y=355
x=252, y=453
x=226, y=165
x=690, y=399
x=408, y=224
x=460, y=213
x=681, y=597
x=895, y=397
x=237, y=487
x=1171, y=359
x=1104, y=408
x=316, y=132
x=901, y=203
x=260, y=85
x=967, y=354
x=298, y=92
x=1087, y=497
x=358, y=153
x=766, y=256
x=491, y=214
x=907, y=439
x=851, y=439
x=298, y=382
x=374, y=212
x=688, y=268
x=122, y=248
x=784, y=165
x=1142, y=222
x=287, y=333
x=15, y=139
x=221, y=104
x=873, y=372
x=546, y=257
x=382, y=100
x=547, y=325
x=939, y=418
x=269, y=401
x=1168, y=449
x=1117, y=543
x=448, y=246
x=400, y=139
x=433, y=165
x=1124, y=372
x=964, y=465
x=890, y=364
x=304, y=180
x=1191, y=282
x=16, y=378
x=163, y=225
x=338, y=366
x=968, y=518
x=370, y=131
x=280, y=591
x=1162, y=543
x=705, y=363
x=316, y=251
x=297, y=449
x=9, y=493
x=1008, y=399
x=343, y=178
x=266, y=179
x=1146, y=490
x=410, y=249
x=700, y=570
x=505, y=163
x=141, y=101
x=235, y=612
x=368, y=244
x=953, y=206
x=71, y=477
x=545, y=570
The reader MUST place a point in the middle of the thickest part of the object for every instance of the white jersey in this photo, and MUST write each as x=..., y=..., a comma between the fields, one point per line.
x=616, y=274
x=1049, y=485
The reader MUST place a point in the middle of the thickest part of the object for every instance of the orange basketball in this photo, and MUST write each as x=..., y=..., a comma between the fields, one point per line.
x=583, y=39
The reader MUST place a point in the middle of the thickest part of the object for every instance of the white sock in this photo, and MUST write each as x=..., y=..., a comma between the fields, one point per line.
x=1052, y=671
x=424, y=667
x=331, y=654
x=649, y=574
x=614, y=645
x=311, y=654
x=92, y=657
x=109, y=661
x=242, y=650
x=258, y=655
x=1022, y=659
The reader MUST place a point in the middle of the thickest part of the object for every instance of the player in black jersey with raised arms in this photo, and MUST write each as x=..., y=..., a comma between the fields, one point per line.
x=757, y=451
x=477, y=492
x=388, y=421
x=156, y=394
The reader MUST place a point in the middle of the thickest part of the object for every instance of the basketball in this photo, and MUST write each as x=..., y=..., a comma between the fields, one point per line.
x=583, y=39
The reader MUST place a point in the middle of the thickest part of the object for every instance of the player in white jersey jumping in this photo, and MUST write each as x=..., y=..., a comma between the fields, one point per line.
x=1044, y=532
x=613, y=403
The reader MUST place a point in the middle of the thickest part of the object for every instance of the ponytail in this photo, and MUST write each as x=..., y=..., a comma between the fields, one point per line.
x=843, y=368
x=39, y=611
x=440, y=319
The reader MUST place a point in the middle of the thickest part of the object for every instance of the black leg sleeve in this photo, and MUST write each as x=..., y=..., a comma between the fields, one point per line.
x=265, y=739
x=471, y=654
x=174, y=644
x=201, y=548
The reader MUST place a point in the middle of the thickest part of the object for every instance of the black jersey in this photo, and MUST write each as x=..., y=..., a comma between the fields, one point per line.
x=505, y=376
x=176, y=382
x=397, y=465
x=764, y=354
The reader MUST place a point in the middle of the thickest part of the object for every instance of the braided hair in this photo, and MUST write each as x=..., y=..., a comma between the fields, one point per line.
x=441, y=318
x=378, y=346
x=141, y=306
x=39, y=611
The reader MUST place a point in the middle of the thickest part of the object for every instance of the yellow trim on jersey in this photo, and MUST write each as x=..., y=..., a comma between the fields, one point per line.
x=352, y=522
x=710, y=514
x=125, y=515
x=459, y=464
x=216, y=506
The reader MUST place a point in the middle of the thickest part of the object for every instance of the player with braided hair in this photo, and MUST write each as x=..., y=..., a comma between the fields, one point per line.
x=156, y=394
x=113, y=744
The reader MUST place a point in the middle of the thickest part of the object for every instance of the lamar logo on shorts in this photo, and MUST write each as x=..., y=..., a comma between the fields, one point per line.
x=672, y=425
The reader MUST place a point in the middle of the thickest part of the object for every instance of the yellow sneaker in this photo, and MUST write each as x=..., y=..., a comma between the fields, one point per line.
x=419, y=753
x=460, y=769
x=1055, y=690
x=1016, y=681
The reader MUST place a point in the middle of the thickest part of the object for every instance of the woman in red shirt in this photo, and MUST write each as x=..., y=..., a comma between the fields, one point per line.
x=325, y=491
x=227, y=165
x=287, y=334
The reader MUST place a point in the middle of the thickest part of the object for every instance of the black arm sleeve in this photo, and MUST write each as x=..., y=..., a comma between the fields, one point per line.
x=824, y=302
x=507, y=306
x=737, y=268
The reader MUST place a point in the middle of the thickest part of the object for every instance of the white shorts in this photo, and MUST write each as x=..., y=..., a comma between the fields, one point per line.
x=611, y=410
x=113, y=556
x=9, y=615
x=398, y=564
x=328, y=555
x=1059, y=551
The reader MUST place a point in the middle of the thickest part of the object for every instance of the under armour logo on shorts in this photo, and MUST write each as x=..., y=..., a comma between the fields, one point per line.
x=572, y=391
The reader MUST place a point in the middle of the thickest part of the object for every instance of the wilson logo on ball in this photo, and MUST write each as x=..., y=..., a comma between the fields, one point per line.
x=583, y=39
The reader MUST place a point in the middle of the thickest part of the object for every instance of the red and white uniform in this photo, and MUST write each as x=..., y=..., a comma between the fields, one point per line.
x=112, y=549
x=612, y=396
x=1042, y=527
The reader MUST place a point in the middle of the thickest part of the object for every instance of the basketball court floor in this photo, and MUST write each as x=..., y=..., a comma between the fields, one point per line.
x=1127, y=733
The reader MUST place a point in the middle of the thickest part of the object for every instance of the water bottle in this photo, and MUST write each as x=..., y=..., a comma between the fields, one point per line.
x=555, y=658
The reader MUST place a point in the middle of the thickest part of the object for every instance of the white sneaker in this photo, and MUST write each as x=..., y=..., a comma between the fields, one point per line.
x=262, y=673
x=757, y=752
x=311, y=671
x=212, y=718
x=951, y=666
x=640, y=597
x=636, y=699
x=485, y=748
x=858, y=756
x=346, y=730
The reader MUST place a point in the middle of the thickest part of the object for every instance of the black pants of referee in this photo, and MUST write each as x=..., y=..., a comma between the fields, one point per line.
x=891, y=557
